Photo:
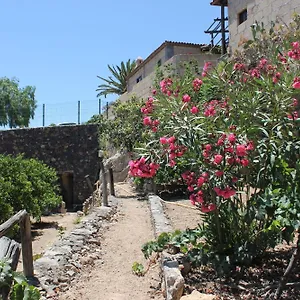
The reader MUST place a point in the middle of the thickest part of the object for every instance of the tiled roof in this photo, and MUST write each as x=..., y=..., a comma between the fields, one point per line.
x=163, y=45
x=219, y=2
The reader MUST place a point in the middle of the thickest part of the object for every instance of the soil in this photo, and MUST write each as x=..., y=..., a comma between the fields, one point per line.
x=111, y=277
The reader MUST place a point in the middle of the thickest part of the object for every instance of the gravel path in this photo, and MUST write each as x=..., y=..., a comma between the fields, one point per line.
x=111, y=278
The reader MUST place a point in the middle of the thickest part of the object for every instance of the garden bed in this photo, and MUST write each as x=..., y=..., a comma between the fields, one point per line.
x=256, y=282
x=259, y=281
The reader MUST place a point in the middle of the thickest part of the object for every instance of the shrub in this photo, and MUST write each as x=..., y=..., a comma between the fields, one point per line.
x=231, y=135
x=26, y=184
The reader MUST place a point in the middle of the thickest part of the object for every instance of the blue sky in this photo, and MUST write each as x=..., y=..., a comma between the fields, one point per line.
x=60, y=46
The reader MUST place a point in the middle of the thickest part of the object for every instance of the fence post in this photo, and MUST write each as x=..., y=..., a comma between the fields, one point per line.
x=25, y=227
x=78, y=121
x=43, y=115
x=104, y=182
x=111, y=182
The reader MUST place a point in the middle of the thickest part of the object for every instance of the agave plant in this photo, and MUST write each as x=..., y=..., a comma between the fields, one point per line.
x=117, y=82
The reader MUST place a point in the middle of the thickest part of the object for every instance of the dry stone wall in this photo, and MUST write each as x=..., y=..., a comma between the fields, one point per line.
x=71, y=150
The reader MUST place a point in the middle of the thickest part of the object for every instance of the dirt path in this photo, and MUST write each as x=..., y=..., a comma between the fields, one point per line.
x=111, y=278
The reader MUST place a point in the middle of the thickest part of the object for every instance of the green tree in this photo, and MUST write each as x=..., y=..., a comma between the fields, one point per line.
x=17, y=105
x=117, y=82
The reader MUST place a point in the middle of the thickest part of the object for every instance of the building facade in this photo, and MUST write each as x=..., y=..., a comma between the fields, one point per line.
x=140, y=81
x=243, y=13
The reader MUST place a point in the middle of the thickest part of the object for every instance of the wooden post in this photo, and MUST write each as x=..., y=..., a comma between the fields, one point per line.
x=26, y=241
x=111, y=182
x=104, y=183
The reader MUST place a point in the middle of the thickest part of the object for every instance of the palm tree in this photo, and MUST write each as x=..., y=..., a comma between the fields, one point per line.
x=117, y=83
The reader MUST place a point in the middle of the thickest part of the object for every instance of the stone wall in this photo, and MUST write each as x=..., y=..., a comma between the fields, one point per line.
x=264, y=11
x=71, y=150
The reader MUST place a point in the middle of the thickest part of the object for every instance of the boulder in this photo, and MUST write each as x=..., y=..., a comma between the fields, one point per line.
x=195, y=295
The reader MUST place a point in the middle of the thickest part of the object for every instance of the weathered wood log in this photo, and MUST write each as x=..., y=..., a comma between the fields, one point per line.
x=6, y=226
x=111, y=182
x=9, y=249
x=25, y=227
x=104, y=184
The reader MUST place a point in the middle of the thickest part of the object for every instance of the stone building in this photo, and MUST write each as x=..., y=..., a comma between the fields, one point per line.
x=140, y=81
x=243, y=13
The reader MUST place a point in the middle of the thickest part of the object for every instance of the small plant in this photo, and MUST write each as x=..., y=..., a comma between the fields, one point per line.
x=138, y=269
x=21, y=290
x=61, y=231
x=77, y=220
x=37, y=256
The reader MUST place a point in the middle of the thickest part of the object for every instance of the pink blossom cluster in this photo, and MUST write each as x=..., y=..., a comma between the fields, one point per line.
x=294, y=53
x=148, y=108
x=172, y=149
x=227, y=151
x=206, y=68
x=197, y=84
x=294, y=115
x=211, y=108
x=153, y=124
x=139, y=168
x=296, y=83
x=165, y=86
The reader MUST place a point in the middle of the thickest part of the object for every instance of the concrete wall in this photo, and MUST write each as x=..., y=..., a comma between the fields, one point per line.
x=264, y=11
x=71, y=150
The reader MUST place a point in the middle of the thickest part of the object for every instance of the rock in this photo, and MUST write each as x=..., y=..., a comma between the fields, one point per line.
x=195, y=295
x=174, y=282
x=86, y=260
x=80, y=213
x=63, y=279
x=71, y=273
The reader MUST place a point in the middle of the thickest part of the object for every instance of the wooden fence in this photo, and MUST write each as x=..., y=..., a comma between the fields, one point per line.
x=23, y=218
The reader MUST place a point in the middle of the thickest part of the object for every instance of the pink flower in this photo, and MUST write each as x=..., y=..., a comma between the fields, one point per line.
x=205, y=175
x=197, y=84
x=241, y=150
x=250, y=146
x=244, y=162
x=147, y=121
x=153, y=92
x=171, y=139
x=218, y=159
x=186, y=98
x=207, y=66
x=231, y=138
x=191, y=188
x=208, y=208
x=208, y=147
x=200, y=181
x=296, y=85
x=163, y=140
x=230, y=160
x=234, y=179
x=219, y=173
x=172, y=163
x=225, y=193
x=194, y=110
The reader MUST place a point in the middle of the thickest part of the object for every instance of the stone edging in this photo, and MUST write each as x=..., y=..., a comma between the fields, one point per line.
x=173, y=281
x=59, y=264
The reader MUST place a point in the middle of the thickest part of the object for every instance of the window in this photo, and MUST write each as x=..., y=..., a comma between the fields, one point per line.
x=159, y=63
x=242, y=16
x=139, y=79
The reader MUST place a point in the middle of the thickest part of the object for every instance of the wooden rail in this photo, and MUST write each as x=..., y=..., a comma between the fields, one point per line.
x=23, y=218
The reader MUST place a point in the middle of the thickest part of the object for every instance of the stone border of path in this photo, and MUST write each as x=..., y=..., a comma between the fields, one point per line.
x=60, y=264
x=173, y=281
